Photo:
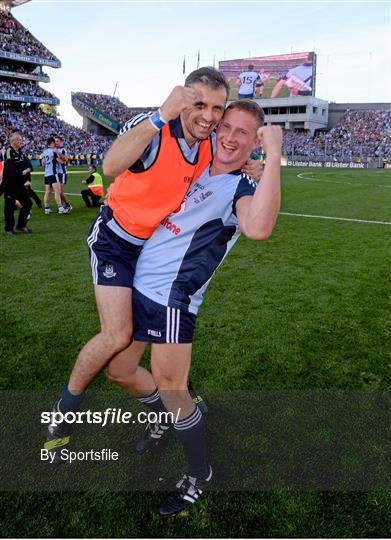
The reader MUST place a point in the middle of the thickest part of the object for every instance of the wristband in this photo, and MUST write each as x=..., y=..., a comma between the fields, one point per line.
x=157, y=120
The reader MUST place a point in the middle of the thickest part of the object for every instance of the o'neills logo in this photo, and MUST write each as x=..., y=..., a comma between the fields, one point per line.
x=170, y=226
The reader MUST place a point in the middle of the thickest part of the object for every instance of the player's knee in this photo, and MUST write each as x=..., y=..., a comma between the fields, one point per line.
x=118, y=341
x=117, y=375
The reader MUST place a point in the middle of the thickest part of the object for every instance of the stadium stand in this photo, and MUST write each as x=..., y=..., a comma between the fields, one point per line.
x=359, y=134
x=21, y=59
x=108, y=105
x=103, y=114
x=36, y=126
x=18, y=88
x=14, y=37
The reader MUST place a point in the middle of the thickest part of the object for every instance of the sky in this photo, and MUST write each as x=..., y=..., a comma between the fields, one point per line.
x=141, y=45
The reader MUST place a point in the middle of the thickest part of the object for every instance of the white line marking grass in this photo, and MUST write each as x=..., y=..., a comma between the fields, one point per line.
x=291, y=214
x=336, y=218
x=69, y=172
x=314, y=178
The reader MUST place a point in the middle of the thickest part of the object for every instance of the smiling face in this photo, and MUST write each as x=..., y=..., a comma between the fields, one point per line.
x=236, y=138
x=199, y=121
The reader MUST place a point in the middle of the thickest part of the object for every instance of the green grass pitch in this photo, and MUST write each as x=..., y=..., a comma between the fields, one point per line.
x=305, y=310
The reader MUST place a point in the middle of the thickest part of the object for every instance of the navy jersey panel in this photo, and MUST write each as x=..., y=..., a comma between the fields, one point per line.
x=246, y=187
x=199, y=264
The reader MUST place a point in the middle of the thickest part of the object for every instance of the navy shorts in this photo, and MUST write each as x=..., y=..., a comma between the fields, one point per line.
x=245, y=96
x=112, y=258
x=53, y=179
x=155, y=323
x=62, y=178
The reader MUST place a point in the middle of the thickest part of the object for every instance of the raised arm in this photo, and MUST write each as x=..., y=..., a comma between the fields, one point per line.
x=127, y=149
x=257, y=215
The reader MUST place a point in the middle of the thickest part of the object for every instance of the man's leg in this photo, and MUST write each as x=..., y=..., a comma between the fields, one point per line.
x=26, y=203
x=114, y=307
x=124, y=370
x=57, y=196
x=170, y=369
x=46, y=197
x=34, y=197
x=115, y=314
x=9, y=209
x=95, y=199
x=64, y=198
x=85, y=195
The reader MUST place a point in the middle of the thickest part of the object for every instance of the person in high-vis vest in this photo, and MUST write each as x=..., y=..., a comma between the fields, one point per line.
x=154, y=161
x=95, y=191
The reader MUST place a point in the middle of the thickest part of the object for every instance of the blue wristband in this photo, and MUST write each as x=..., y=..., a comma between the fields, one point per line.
x=157, y=120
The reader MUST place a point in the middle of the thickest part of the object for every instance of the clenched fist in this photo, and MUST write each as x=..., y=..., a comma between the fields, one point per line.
x=270, y=137
x=181, y=98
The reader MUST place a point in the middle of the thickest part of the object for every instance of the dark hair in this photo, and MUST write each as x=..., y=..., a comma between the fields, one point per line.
x=94, y=167
x=250, y=67
x=57, y=137
x=247, y=105
x=50, y=141
x=209, y=76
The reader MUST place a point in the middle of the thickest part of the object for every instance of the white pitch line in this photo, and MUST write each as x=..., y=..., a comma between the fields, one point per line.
x=314, y=179
x=69, y=172
x=74, y=194
x=336, y=218
x=291, y=214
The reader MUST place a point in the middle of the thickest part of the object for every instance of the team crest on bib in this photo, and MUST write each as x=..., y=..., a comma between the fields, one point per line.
x=109, y=271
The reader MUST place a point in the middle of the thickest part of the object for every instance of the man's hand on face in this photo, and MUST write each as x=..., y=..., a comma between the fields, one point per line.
x=270, y=137
x=254, y=168
x=181, y=98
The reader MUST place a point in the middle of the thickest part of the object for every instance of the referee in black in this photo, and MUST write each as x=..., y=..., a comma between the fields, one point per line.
x=15, y=184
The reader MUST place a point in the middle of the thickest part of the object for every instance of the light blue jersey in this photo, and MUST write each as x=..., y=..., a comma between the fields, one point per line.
x=62, y=168
x=178, y=261
x=49, y=157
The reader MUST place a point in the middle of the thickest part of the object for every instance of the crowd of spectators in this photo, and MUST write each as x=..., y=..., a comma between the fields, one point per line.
x=18, y=68
x=14, y=37
x=108, y=105
x=24, y=88
x=36, y=126
x=359, y=134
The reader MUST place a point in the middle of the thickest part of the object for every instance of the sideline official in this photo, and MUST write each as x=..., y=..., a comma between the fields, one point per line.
x=16, y=184
x=92, y=195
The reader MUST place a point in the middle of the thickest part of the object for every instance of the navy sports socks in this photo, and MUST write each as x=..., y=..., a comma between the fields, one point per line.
x=68, y=401
x=191, y=432
x=154, y=402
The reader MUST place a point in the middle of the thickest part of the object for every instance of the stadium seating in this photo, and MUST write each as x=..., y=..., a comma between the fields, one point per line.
x=23, y=88
x=359, y=134
x=108, y=105
x=14, y=37
x=36, y=126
